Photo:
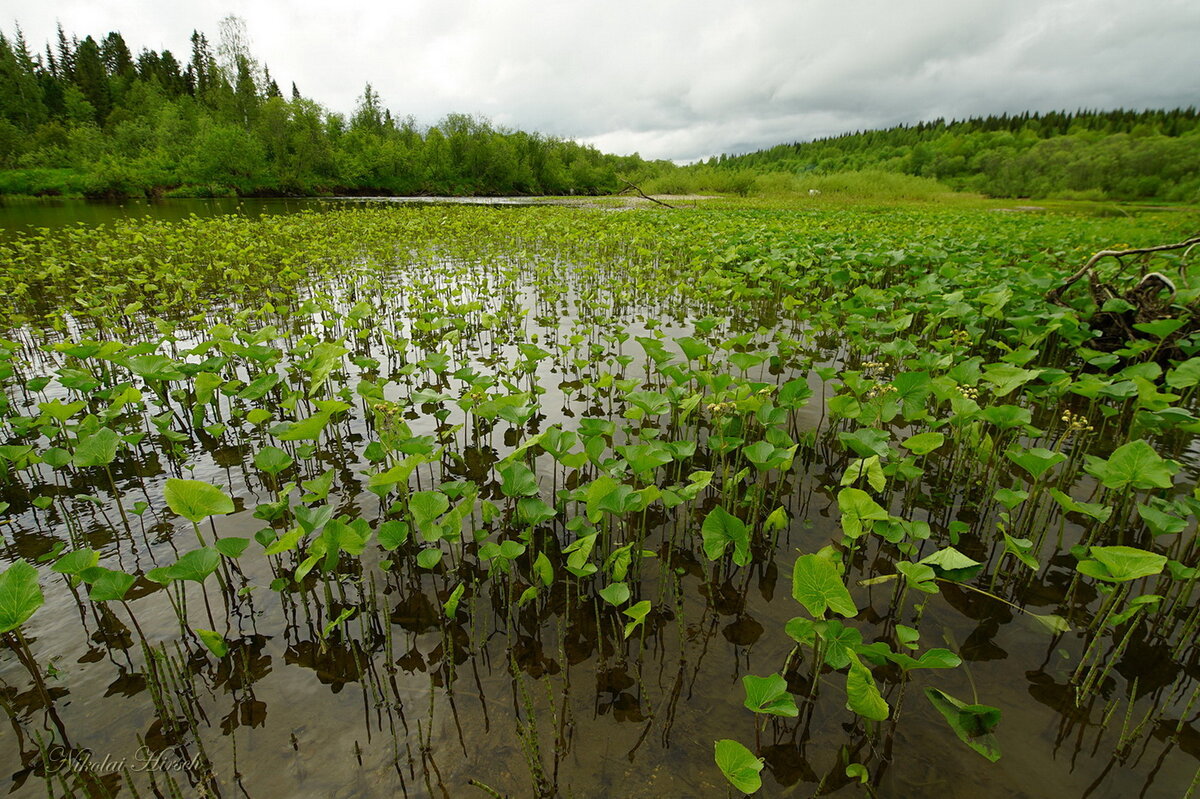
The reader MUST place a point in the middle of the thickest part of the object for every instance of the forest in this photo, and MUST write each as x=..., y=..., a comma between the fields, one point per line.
x=1115, y=155
x=88, y=117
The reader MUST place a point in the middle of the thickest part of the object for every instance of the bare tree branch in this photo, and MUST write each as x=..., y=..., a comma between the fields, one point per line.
x=646, y=196
x=1055, y=294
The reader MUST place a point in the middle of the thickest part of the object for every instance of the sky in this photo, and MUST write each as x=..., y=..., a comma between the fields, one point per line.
x=685, y=80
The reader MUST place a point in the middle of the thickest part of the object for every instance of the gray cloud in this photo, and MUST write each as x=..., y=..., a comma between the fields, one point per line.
x=686, y=80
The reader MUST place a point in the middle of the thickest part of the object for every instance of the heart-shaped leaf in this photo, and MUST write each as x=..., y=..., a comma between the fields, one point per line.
x=817, y=584
x=196, y=500
x=769, y=695
x=20, y=595
x=739, y=765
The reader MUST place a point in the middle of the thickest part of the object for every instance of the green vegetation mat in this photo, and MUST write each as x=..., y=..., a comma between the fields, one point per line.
x=545, y=501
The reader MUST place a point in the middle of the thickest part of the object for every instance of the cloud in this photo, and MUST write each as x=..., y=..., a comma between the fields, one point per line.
x=686, y=80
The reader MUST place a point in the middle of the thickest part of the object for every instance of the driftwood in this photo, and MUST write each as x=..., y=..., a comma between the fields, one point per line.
x=1150, y=299
x=629, y=185
x=1088, y=269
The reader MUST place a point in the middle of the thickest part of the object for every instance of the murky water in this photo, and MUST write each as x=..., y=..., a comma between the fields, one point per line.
x=400, y=700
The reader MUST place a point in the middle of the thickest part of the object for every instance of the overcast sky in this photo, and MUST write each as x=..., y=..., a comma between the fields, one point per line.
x=689, y=79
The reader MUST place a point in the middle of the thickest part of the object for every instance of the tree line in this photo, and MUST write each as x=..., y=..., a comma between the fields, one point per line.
x=88, y=117
x=1120, y=154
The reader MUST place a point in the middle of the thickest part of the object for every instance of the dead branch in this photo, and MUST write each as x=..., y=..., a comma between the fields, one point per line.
x=651, y=199
x=1055, y=294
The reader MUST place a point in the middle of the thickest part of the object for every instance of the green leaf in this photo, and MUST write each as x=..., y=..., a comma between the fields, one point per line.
x=1051, y=623
x=325, y=357
x=108, y=585
x=57, y=457
x=908, y=636
x=1022, y=550
x=918, y=576
x=341, y=617
x=817, y=584
x=1185, y=375
x=930, y=659
x=339, y=536
x=597, y=492
x=20, y=595
x=196, y=565
x=98, y=449
x=1160, y=328
x=518, y=480
x=205, y=384
x=1135, y=464
x=543, y=569
x=398, y=474
x=1010, y=498
x=1007, y=378
x=259, y=386
x=1092, y=509
x=307, y=565
x=272, y=460
x=286, y=542
x=1036, y=461
x=257, y=416
x=392, y=534
x=195, y=500
x=693, y=348
x=616, y=594
x=844, y=405
x=318, y=488
x=214, y=641
x=450, y=606
x=859, y=511
x=426, y=506
x=1006, y=417
x=232, y=546
x=865, y=467
x=769, y=695
x=973, y=724
x=645, y=457
x=862, y=695
x=938, y=659
x=801, y=630
x=76, y=561
x=948, y=562
x=924, y=443
x=511, y=550
x=429, y=558
x=1160, y=522
x=720, y=528
x=533, y=511
x=1121, y=564
x=761, y=454
x=154, y=367
x=303, y=430
x=739, y=765
x=866, y=441
x=840, y=642
x=638, y=614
